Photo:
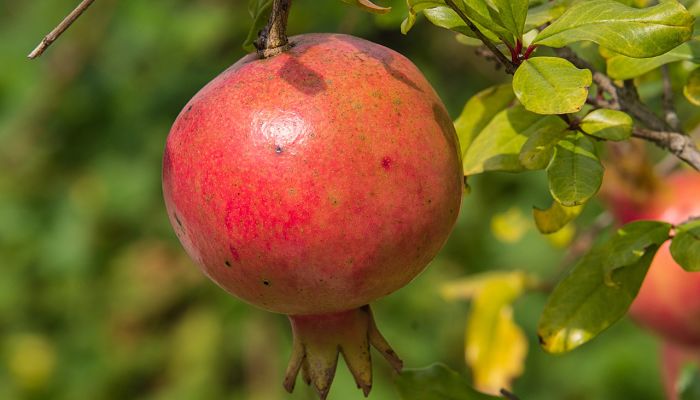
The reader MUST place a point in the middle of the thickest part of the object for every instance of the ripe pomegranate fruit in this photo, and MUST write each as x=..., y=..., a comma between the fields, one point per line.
x=312, y=183
x=668, y=302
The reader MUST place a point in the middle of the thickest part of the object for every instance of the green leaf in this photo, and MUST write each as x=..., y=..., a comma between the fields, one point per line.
x=436, y=382
x=555, y=217
x=630, y=243
x=551, y=85
x=445, y=17
x=538, y=150
x=368, y=6
x=575, y=173
x=582, y=305
x=608, y=124
x=624, y=67
x=688, y=385
x=495, y=345
x=480, y=110
x=691, y=90
x=414, y=7
x=513, y=14
x=497, y=147
x=626, y=30
x=545, y=13
x=260, y=12
x=685, y=246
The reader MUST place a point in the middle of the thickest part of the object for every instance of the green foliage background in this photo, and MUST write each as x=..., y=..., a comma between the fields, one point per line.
x=98, y=300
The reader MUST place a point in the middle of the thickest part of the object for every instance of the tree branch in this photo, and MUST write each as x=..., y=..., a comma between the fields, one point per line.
x=508, y=64
x=626, y=98
x=58, y=30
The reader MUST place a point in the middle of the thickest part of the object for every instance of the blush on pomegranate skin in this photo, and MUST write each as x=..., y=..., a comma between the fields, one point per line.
x=312, y=183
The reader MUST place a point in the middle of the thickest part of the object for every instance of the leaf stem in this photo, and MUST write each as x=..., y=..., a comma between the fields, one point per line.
x=273, y=38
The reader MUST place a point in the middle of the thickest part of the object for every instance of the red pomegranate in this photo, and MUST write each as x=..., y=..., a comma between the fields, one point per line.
x=668, y=302
x=312, y=183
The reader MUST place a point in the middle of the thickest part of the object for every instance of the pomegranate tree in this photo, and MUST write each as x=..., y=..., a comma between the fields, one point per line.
x=312, y=181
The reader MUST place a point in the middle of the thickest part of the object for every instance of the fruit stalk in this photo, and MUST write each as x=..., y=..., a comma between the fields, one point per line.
x=273, y=40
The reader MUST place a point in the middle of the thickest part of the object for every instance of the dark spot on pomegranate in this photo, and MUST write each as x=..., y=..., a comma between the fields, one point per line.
x=386, y=162
x=266, y=282
x=189, y=108
x=227, y=263
x=278, y=149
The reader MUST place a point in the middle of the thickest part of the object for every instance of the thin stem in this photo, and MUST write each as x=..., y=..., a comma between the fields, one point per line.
x=669, y=107
x=273, y=39
x=58, y=30
x=508, y=64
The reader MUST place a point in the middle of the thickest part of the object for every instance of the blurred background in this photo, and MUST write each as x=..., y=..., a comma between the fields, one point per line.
x=99, y=301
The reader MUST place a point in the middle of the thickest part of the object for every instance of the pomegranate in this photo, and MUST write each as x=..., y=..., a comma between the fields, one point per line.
x=668, y=302
x=311, y=183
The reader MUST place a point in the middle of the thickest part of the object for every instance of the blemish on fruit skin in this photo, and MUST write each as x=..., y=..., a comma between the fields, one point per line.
x=278, y=149
x=234, y=253
x=227, y=263
x=386, y=162
x=177, y=219
x=266, y=282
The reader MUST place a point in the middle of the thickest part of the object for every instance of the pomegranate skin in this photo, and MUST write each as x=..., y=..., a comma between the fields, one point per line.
x=668, y=302
x=314, y=181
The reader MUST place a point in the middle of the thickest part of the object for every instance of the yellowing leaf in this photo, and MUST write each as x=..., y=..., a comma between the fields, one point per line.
x=563, y=237
x=691, y=90
x=555, y=217
x=495, y=347
x=509, y=226
x=368, y=6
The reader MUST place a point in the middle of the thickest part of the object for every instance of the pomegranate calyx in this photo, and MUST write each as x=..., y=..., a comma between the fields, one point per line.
x=318, y=339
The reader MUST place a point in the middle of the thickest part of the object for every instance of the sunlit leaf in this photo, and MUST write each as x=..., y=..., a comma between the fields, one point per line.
x=551, y=85
x=546, y=13
x=582, y=305
x=624, y=67
x=513, y=14
x=575, y=173
x=685, y=246
x=626, y=30
x=480, y=110
x=414, y=7
x=555, y=217
x=497, y=147
x=691, y=90
x=608, y=124
x=436, y=382
x=470, y=287
x=447, y=18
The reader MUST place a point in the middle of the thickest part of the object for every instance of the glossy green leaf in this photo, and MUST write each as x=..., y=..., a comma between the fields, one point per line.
x=545, y=13
x=608, y=124
x=630, y=243
x=685, y=246
x=480, y=110
x=582, y=305
x=691, y=90
x=513, y=14
x=634, y=32
x=367, y=5
x=445, y=17
x=575, y=173
x=498, y=146
x=436, y=382
x=414, y=7
x=551, y=85
x=538, y=150
x=260, y=12
x=624, y=67
x=555, y=217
